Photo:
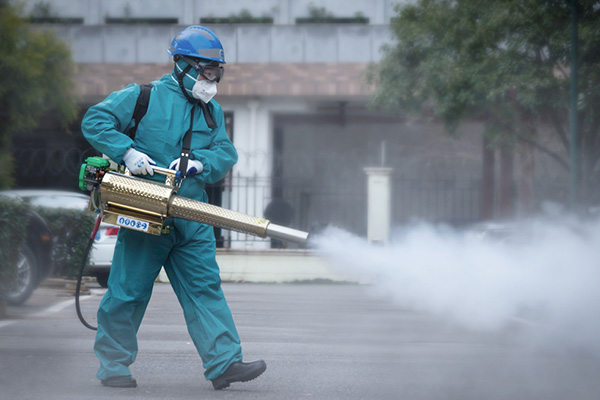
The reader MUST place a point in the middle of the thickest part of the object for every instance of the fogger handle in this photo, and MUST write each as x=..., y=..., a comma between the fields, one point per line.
x=167, y=171
x=171, y=175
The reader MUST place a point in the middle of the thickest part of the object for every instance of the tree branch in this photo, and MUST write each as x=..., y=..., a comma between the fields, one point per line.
x=543, y=149
x=509, y=130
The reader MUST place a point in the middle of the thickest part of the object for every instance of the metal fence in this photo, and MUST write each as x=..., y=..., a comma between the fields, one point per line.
x=295, y=204
x=298, y=205
x=449, y=201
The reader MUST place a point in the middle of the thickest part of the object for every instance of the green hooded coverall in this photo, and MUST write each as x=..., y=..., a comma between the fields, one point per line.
x=187, y=252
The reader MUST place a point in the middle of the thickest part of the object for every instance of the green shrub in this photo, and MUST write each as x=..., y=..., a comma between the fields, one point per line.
x=71, y=232
x=13, y=230
x=243, y=17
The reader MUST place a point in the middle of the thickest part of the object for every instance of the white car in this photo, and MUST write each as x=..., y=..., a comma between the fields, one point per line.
x=106, y=237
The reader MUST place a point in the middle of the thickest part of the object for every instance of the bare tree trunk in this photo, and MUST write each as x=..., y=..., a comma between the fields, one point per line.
x=525, y=179
x=586, y=162
x=487, y=181
x=505, y=204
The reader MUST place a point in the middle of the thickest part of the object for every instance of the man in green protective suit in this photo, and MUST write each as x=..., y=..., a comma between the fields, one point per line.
x=180, y=104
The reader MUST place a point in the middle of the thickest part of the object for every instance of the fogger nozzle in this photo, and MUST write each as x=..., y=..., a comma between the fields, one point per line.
x=126, y=198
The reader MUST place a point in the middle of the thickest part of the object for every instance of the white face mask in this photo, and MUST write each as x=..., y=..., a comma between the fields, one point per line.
x=204, y=90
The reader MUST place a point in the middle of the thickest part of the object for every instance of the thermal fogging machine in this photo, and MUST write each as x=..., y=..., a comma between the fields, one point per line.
x=143, y=205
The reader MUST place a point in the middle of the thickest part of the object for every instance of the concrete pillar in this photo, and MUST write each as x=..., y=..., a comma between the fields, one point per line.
x=94, y=12
x=379, y=204
x=190, y=13
x=249, y=194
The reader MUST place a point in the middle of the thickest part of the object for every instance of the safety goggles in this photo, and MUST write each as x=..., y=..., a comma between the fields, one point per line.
x=211, y=72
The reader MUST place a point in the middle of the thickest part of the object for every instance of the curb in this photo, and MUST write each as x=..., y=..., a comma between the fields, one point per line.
x=68, y=286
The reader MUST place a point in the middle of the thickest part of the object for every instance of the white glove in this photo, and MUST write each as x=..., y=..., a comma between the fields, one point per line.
x=138, y=162
x=193, y=167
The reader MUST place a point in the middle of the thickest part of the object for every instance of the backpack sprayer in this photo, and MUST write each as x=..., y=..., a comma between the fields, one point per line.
x=143, y=205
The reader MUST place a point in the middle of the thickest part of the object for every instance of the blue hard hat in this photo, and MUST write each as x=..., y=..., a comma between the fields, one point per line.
x=199, y=42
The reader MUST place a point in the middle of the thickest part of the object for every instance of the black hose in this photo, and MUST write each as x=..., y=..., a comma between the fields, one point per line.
x=80, y=277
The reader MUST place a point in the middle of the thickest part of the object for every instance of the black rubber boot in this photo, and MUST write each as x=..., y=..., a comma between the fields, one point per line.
x=125, y=381
x=239, y=372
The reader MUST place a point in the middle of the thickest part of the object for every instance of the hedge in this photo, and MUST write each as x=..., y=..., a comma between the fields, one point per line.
x=13, y=230
x=70, y=235
x=70, y=232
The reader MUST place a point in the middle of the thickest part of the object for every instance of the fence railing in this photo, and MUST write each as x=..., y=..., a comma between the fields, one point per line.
x=295, y=204
x=301, y=206
x=450, y=201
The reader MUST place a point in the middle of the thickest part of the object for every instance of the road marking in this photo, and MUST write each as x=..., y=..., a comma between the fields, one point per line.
x=50, y=310
x=58, y=307
x=7, y=322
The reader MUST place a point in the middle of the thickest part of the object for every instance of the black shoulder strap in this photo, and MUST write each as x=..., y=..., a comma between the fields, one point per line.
x=186, y=149
x=141, y=106
x=207, y=115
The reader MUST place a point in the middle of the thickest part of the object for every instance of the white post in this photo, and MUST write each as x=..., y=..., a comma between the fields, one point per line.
x=379, y=204
x=252, y=135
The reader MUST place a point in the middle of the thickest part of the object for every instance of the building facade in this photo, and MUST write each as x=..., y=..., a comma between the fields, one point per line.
x=296, y=99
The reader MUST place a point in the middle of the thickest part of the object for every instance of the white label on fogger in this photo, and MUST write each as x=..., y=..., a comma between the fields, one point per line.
x=132, y=223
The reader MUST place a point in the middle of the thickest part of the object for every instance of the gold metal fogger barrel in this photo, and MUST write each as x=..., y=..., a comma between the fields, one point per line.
x=143, y=205
x=193, y=210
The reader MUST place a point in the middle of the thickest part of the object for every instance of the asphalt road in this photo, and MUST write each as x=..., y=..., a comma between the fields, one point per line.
x=320, y=341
